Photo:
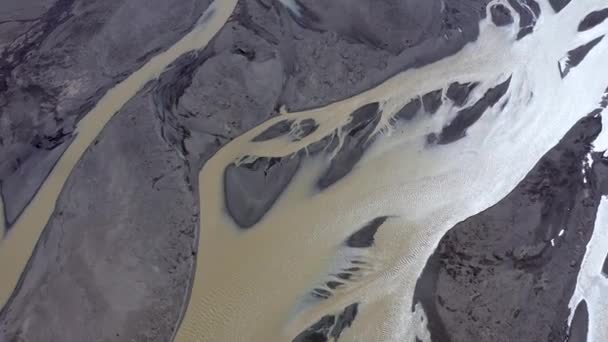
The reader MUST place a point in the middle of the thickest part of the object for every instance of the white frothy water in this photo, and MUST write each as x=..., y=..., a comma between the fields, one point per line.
x=18, y=244
x=591, y=285
x=250, y=285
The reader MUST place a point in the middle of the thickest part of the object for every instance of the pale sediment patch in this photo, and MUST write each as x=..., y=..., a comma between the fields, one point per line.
x=17, y=246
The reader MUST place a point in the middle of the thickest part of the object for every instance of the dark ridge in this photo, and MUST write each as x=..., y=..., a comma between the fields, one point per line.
x=528, y=14
x=170, y=88
x=501, y=15
x=322, y=329
x=321, y=293
x=409, y=111
x=456, y=129
x=593, y=19
x=362, y=116
x=356, y=141
x=534, y=6
x=459, y=92
x=432, y=101
x=364, y=237
x=19, y=188
x=58, y=13
x=345, y=320
x=334, y=284
x=425, y=293
x=478, y=281
x=328, y=144
x=274, y=131
x=344, y=275
x=577, y=55
x=431, y=138
x=306, y=18
x=605, y=267
x=317, y=332
x=307, y=127
x=524, y=32
x=559, y=5
x=580, y=323
x=251, y=189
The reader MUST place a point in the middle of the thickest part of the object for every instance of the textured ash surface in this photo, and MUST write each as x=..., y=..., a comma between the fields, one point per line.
x=115, y=261
x=497, y=271
x=55, y=65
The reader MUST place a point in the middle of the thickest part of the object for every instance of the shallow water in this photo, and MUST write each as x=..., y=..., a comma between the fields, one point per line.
x=254, y=284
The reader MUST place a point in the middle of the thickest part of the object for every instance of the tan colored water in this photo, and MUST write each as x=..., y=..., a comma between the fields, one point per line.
x=250, y=285
x=2, y=221
x=17, y=246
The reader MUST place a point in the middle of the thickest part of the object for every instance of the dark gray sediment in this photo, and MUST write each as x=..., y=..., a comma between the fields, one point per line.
x=528, y=11
x=356, y=140
x=498, y=270
x=278, y=129
x=251, y=189
x=459, y=92
x=364, y=237
x=593, y=19
x=559, y=5
x=466, y=117
x=409, y=111
x=329, y=326
x=57, y=61
x=18, y=188
x=577, y=55
x=306, y=128
x=317, y=332
x=580, y=323
x=431, y=101
x=501, y=15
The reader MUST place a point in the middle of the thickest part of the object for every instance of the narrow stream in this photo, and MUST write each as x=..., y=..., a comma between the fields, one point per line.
x=18, y=245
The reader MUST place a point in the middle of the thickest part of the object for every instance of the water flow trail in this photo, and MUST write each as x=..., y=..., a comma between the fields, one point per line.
x=18, y=245
x=254, y=284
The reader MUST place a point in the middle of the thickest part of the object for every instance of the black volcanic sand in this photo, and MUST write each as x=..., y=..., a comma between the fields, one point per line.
x=466, y=117
x=251, y=189
x=580, y=323
x=495, y=276
x=578, y=54
x=138, y=182
x=329, y=326
x=593, y=19
x=57, y=58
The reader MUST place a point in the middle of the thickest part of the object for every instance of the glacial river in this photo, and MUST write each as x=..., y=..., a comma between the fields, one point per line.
x=254, y=284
